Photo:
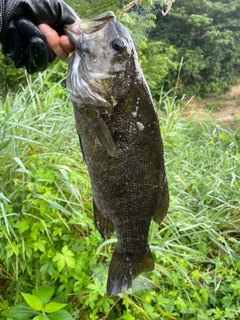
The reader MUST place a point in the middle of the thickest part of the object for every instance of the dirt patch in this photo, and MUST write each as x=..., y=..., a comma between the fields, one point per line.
x=222, y=108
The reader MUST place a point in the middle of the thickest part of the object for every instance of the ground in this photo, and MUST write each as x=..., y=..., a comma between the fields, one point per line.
x=223, y=108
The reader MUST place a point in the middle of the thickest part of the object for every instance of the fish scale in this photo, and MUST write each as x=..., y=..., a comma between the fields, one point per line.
x=121, y=142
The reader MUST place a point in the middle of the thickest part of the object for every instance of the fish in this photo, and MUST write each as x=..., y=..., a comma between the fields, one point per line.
x=121, y=142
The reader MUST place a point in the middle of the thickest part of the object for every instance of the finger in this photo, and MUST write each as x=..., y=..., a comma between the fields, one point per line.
x=66, y=44
x=37, y=55
x=53, y=41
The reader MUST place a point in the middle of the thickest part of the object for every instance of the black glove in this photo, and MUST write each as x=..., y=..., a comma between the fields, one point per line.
x=21, y=39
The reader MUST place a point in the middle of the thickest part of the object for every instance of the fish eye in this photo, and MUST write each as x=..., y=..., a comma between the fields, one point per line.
x=118, y=45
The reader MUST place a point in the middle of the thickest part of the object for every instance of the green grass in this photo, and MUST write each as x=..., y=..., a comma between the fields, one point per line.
x=47, y=236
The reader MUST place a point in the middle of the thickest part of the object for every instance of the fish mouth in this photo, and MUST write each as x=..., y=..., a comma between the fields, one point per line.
x=89, y=26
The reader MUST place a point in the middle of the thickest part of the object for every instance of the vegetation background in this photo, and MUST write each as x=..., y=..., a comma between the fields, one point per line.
x=53, y=262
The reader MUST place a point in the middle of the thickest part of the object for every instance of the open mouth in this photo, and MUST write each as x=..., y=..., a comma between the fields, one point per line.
x=90, y=26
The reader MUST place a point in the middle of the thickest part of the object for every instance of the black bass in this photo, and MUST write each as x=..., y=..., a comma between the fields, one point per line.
x=120, y=140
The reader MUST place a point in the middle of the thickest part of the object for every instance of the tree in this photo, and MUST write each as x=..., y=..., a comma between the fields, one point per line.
x=207, y=35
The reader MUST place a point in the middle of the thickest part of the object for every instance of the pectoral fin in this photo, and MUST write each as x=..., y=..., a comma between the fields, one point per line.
x=101, y=131
x=81, y=147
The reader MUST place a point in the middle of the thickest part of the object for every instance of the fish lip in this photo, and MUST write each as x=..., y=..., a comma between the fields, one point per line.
x=74, y=28
x=89, y=26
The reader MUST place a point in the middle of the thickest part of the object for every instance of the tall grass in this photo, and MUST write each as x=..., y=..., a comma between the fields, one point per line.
x=45, y=205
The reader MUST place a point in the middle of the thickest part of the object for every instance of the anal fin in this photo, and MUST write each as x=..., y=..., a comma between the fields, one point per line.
x=103, y=225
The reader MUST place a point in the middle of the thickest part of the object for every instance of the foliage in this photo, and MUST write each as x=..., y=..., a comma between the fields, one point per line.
x=9, y=76
x=87, y=9
x=47, y=236
x=40, y=307
x=157, y=61
x=206, y=34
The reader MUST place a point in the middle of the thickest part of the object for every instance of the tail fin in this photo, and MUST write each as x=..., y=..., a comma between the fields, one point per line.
x=124, y=268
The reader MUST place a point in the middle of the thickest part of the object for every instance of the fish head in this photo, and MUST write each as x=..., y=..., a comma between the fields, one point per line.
x=102, y=68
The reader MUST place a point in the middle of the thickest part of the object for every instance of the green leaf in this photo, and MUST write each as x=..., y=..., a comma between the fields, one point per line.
x=66, y=257
x=7, y=104
x=237, y=265
x=70, y=261
x=43, y=293
x=22, y=225
x=41, y=317
x=54, y=306
x=22, y=167
x=67, y=252
x=61, y=261
x=39, y=245
x=22, y=312
x=60, y=315
x=61, y=264
x=33, y=301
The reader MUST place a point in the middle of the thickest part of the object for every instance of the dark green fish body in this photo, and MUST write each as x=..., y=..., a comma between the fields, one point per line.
x=121, y=143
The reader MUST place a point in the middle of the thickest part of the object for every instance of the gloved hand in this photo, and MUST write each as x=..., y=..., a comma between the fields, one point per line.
x=20, y=37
